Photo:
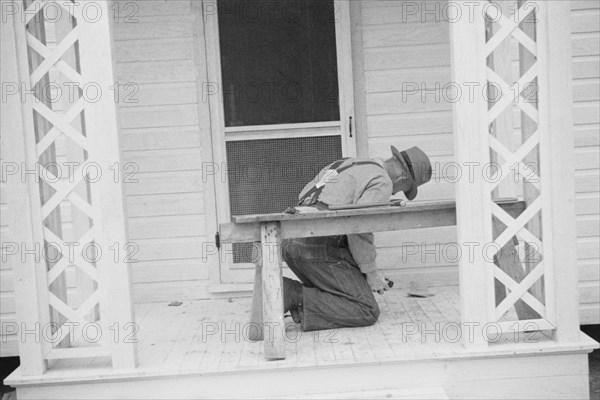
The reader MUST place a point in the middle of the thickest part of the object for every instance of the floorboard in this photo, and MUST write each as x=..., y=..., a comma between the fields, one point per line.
x=211, y=336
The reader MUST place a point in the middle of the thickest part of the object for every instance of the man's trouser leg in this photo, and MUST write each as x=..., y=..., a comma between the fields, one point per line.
x=335, y=292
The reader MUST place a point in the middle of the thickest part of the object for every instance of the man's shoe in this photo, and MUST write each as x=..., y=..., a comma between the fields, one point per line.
x=292, y=294
x=296, y=312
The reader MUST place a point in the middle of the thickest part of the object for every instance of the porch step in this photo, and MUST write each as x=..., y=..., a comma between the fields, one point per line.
x=430, y=393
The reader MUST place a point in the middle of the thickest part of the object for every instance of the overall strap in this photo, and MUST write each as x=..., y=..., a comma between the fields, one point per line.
x=334, y=170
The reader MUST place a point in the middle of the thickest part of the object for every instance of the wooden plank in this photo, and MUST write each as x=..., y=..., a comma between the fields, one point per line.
x=586, y=44
x=557, y=121
x=435, y=146
x=358, y=64
x=167, y=226
x=585, y=67
x=407, y=57
x=168, y=271
x=412, y=124
x=159, y=160
x=344, y=50
x=160, y=138
x=107, y=195
x=472, y=195
x=256, y=327
x=127, y=10
x=172, y=248
x=393, y=80
x=274, y=344
x=153, y=49
x=409, y=208
x=587, y=203
x=157, y=27
x=156, y=94
x=30, y=282
x=156, y=71
x=141, y=183
x=586, y=21
x=324, y=223
x=158, y=116
x=160, y=205
x=407, y=102
x=396, y=13
x=397, y=35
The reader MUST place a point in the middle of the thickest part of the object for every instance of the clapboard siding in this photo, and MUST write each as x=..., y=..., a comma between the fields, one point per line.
x=402, y=56
x=161, y=137
x=406, y=57
x=585, y=17
x=8, y=345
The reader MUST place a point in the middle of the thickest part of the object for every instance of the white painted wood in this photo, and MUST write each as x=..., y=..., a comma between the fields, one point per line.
x=556, y=104
x=472, y=195
x=585, y=66
x=503, y=126
x=29, y=272
x=209, y=360
x=359, y=80
x=345, y=76
x=164, y=132
x=219, y=272
x=108, y=194
x=7, y=297
x=272, y=292
x=325, y=130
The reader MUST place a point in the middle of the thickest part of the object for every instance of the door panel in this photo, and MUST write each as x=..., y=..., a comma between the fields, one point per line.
x=285, y=109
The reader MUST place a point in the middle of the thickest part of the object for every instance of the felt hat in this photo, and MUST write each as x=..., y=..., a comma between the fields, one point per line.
x=417, y=163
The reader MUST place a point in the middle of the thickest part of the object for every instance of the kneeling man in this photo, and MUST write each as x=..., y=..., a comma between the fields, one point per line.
x=338, y=274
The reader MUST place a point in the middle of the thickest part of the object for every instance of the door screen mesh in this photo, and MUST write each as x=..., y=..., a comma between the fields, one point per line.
x=266, y=175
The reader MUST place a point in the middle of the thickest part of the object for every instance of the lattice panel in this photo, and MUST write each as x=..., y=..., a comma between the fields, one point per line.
x=67, y=211
x=515, y=142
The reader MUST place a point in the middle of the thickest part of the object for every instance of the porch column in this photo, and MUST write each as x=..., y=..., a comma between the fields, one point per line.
x=541, y=94
x=474, y=225
x=93, y=188
x=556, y=109
x=22, y=251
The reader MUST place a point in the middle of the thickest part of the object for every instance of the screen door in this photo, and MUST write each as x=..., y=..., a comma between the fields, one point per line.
x=286, y=107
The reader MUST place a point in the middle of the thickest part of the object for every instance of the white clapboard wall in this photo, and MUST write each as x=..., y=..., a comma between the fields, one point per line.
x=401, y=56
x=156, y=52
x=8, y=343
x=585, y=17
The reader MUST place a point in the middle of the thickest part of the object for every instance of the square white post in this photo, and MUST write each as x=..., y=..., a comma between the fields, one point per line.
x=117, y=312
x=103, y=204
x=556, y=118
x=474, y=224
x=24, y=216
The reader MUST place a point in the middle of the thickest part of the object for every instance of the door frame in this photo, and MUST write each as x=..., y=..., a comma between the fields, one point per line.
x=223, y=279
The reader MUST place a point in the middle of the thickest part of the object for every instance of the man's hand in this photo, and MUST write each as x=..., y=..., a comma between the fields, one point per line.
x=377, y=282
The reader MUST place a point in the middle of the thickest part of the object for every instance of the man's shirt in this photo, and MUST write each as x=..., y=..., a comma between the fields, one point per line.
x=367, y=183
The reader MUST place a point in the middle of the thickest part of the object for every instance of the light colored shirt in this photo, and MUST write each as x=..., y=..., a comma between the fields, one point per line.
x=366, y=183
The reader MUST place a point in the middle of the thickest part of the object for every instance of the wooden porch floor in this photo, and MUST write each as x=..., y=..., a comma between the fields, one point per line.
x=415, y=339
x=207, y=336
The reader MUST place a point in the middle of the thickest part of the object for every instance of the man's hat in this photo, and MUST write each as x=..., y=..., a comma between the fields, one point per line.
x=417, y=163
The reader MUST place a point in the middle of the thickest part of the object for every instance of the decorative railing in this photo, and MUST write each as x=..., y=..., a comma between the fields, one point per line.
x=509, y=133
x=81, y=303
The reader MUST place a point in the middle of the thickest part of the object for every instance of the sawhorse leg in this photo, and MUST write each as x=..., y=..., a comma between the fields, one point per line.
x=268, y=293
